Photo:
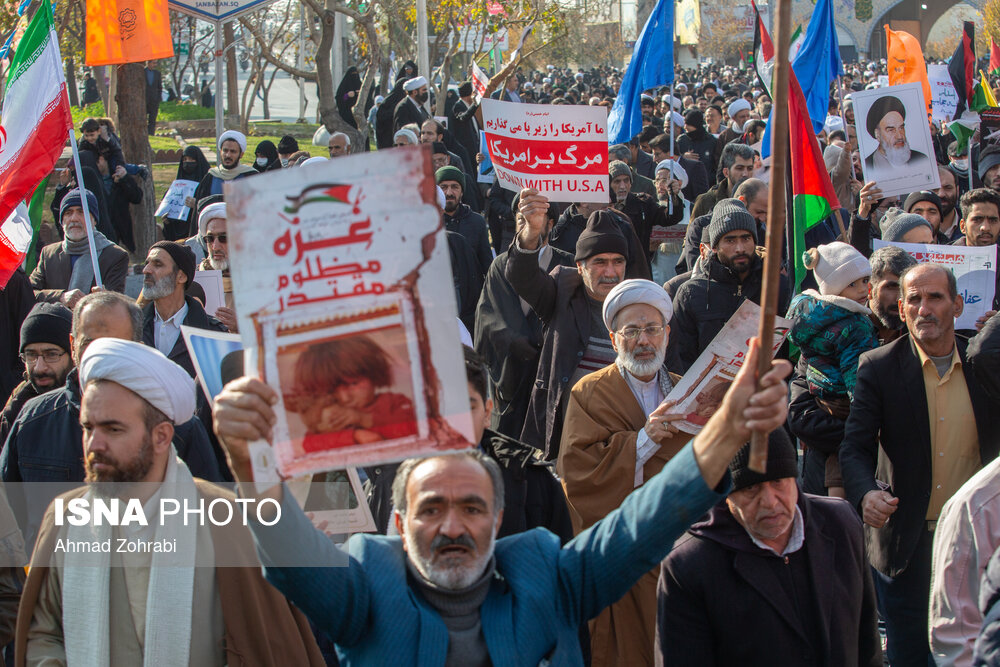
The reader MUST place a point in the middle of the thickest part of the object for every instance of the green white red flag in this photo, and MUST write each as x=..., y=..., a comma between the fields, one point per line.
x=34, y=126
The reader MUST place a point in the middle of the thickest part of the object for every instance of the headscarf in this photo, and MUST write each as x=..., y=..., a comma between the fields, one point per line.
x=266, y=149
x=201, y=166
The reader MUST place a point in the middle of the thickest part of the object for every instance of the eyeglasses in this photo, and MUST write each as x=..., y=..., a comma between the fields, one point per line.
x=631, y=333
x=211, y=238
x=50, y=356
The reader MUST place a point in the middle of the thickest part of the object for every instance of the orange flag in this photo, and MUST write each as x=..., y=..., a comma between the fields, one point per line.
x=127, y=31
x=906, y=61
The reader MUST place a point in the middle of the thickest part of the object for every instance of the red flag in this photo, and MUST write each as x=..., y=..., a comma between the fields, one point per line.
x=994, y=58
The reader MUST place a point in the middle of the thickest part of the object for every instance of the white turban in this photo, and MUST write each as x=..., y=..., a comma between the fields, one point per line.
x=238, y=137
x=407, y=134
x=414, y=83
x=738, y=106
x=677, y=119
x=211, y=212
x=634, y=291
x=315, y=160
x=674, y=102
x=143, y=370
x=676, y=171
x=681, y=86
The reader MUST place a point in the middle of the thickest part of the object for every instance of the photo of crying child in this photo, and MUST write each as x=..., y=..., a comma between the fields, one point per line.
x=348, y=391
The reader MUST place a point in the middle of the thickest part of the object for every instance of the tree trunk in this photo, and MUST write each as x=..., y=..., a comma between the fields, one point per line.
x=100, y=75
x=74, y=94
x=112, y=110
x=232, y=85
x=135, y=145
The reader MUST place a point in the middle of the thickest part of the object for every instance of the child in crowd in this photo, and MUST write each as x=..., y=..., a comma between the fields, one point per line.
x=337, y=385
x=832, y=329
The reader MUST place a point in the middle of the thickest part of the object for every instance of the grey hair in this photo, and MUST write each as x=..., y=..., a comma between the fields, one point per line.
x=750, y=189
x=407, y=467
x=620, y=152
x=732, y=151
x=347, y=139
x=949, y=276
x=106, y=300
x=890, y=259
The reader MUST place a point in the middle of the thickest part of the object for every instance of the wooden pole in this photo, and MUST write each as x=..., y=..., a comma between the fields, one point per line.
x=775, y=213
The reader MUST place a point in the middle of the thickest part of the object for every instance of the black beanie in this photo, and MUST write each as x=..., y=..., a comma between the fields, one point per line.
x=694, y=118
x=47, y=323
x=288, y=145
x=183, y=257
x=601, y=235
x=781, y=462
x=730, y=215
x=923, y=195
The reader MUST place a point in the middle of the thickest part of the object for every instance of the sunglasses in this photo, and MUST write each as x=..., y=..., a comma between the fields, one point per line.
x=211, y=238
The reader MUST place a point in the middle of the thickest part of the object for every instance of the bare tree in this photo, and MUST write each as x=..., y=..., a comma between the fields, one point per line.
x=131, y=100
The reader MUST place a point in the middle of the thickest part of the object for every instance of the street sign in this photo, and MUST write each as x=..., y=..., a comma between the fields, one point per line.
x=181, y=48
x=217, y=11
x=473, y=40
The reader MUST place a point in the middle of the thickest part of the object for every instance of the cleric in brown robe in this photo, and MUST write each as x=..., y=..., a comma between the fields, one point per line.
x=616, y=436
x=149, y=605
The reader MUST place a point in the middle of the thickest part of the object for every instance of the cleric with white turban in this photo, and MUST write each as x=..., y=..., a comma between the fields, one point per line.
x=233, y=135
x=634, y=291
x=211, y=212
x=735, y=108
x=415, y=83
x=143, y=370
x=675, y=170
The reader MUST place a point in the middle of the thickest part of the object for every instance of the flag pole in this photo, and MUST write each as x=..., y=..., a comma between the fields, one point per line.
x=847, y=139
x=86, y=210
x=670, y=124
x=775, y=216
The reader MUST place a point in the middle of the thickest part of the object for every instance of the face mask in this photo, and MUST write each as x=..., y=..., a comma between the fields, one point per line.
x=961, y=165
x=188, y=167
x=422, y=97
x=262, y=162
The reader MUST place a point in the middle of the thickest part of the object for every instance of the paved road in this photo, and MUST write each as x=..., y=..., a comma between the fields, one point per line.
x=283, y=99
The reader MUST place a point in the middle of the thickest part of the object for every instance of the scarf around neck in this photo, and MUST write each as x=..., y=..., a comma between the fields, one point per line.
x=82, y=276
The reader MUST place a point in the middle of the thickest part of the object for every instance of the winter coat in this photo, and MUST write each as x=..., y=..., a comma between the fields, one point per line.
x=700, y=142
x=984, y=357
x=722, y=600
x=472, y=226
x=832, y=332
x=16, y=301
x=571, y=224
x=705, y=303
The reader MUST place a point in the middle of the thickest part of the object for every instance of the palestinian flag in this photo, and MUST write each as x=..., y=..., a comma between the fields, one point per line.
x=964, y=127
x=994, y=58
x=763, y=53
x=962, y=68
x=982, y=96
x=813, y=196
x=34, y=126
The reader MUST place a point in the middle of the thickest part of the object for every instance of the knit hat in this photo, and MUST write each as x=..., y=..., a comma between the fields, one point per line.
x=182, y=255
x=781, y=462
x=449, y=173
x=896, y=223
x=47, y=323
x=836, y=265
x=601, y=236
x=694, y=118
x=288, y=145
x=917, y=197
x=73, y=198
x=730, y=215
x=618, y=168
x=989, y=159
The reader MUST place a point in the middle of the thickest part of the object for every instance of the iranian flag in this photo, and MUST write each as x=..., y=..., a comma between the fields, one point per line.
x=34, y=126
x=480, y=82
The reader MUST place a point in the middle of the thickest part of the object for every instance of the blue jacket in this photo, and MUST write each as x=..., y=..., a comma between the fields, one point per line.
x=539, y=596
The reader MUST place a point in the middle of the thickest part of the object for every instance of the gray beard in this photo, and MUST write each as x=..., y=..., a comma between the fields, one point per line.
x=449, y=578
x=163, y=287
x=221, y=265
x=897, y=157
x=638, y=368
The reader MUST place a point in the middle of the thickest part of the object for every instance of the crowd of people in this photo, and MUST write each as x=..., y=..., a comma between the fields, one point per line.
x=584, y=527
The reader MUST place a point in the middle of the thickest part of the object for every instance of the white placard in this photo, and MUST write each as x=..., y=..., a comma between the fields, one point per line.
x=172, y=205
x=215, y=292
x=944, y=99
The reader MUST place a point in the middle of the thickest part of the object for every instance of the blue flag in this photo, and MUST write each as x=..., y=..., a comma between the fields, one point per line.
x=652, y=65
x=818, y=62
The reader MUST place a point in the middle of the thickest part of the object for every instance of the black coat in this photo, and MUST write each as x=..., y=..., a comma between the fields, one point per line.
x=887, y=438
x=561, y=303
x=646, y=212
x=984, y=357
x=462, y=123
x=384, y=115
x=510, y=342
x=407, y=112
x=467, y=276
x=124, y=192
x=700, y=142
x=472, y=226
x=570, y=225
x=705, y=303
x=721, y=599
x=17, y=299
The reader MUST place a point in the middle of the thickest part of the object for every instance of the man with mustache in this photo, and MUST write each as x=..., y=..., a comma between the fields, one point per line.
x=949, y=231
x=980, y=225
x=780, y=573
x=568, y=301
x=212, y=228
x=887, y=124
x=45, y=351
x=459, y=217
x=920, y=426
x=732, y=273
x=618, y=434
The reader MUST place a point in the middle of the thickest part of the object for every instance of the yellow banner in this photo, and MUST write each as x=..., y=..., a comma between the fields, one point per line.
x=687, y=21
